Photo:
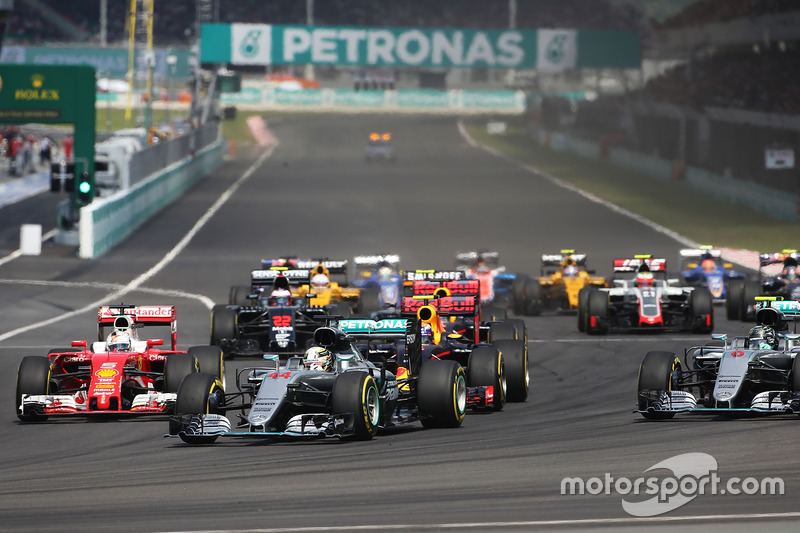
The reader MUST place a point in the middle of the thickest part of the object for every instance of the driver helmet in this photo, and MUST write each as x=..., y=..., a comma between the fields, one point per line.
x=708, y=265
x=426, y=332
x=385, y=273
x=320, y=281
x=280, y=297
x=645, y=279
x=790, y=273
x=570, y=271
x=118, y=341
x=763, y=338
x=317, y=358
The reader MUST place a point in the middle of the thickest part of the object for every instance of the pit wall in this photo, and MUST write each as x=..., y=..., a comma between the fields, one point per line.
x=108, y=221
x=772, y=202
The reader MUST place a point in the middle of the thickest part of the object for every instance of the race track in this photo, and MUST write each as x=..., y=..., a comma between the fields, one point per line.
x=314, y=195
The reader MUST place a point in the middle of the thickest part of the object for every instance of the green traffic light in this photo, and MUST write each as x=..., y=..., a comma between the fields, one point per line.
x=84, y=187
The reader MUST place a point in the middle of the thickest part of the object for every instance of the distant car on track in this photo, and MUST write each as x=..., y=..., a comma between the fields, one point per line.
x=380, y=147
x=704, y=267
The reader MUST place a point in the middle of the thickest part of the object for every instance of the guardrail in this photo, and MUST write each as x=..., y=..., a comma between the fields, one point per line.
x=107, y=221
x=398, y=101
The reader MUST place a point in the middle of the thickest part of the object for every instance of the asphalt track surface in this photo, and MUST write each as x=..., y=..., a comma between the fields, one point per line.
x=316, y=196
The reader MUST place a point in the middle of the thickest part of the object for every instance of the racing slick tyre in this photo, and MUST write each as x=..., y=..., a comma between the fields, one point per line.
x=493, y=312
x=751, y=290
x=794, y=379
x=223, y=324
x=356, y=393
x=442, y=394
x=656, y=374
x=487, y=368
x=533, y=298
x=597, y=309
x=502, y=330
x=583, y=308
x=733, y=300
x=210, y=360
x=33, y=377
x=238, y=295
x=518, y=294
x=177, y=367
x=702, y=306
x=515, y=361
x=199, y=394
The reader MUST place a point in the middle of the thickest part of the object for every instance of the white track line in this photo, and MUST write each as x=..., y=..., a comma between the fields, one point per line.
x=136, y=283
x=489, y=526
x=18, y=253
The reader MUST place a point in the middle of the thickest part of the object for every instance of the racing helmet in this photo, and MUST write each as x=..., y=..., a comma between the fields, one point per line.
x=320, y=281
x=385, y=272
x=645, y=279
x=317, y=358
x=118, y=341
x=708, y=265
x=570, y=271
x=763, y=338
x=790, y=273
x=280, y=297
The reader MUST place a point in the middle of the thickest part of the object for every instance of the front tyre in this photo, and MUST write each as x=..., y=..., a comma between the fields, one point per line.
x=33, y=377
x=486, y=368
x=442, y=394
x=199, y=394
x=356, y=393
x=223, y=324
x=657, y=375
x=176, y=368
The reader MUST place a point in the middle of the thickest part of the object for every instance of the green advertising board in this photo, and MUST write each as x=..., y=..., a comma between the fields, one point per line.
x=54, y=95
x=545, y=50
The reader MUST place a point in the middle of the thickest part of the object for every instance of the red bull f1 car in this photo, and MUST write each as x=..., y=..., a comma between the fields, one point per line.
x=115, y=375
x=649, y=301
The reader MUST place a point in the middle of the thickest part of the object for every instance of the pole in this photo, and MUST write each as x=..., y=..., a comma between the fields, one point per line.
x=103, y=23
x=309, y=75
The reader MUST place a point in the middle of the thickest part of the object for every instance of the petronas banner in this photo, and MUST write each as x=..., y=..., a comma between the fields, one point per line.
x=551, y=50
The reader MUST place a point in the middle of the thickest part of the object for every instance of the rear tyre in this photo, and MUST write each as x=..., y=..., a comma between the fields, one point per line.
x=702, y=311
x=176, y=368
x=33, y=377
x=442, y=394
x=502, y=330
x=656, y=376
x=223, y=324
x=597, y=308
x=238, y=295
x=199, y=394
x=486, y=368
x=583, y=308
x=357, y=393
x=519, y=294
x=209, y=360
x=533, y=298
x=369, y=301
x=493, y=312
x=515, y=360
x=751, y=290
x=733, y=300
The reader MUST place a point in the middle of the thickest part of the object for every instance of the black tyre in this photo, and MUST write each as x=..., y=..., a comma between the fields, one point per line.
x=751, y=290
x=794, y=378
x=442, y=394
x=199, y=394
x=515, y=360
x=583, y=308
x=209, y=360
x=733, y=300
x=597, y=308
x=369, y=301
x=33, y=377
x=223, y=324
x=702, y=310
x=357, y=393
x=656, y=374
x=519, y=294
x=486, y=368
x=238, y=295
x=177, y=367
x=502, y=330
x=533, y=298
x=493, y=312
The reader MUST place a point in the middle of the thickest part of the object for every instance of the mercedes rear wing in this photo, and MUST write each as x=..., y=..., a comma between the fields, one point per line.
x=389, y=329
x=774, y=312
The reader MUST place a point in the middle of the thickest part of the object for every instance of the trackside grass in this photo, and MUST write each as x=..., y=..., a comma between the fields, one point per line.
x=674, y=205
